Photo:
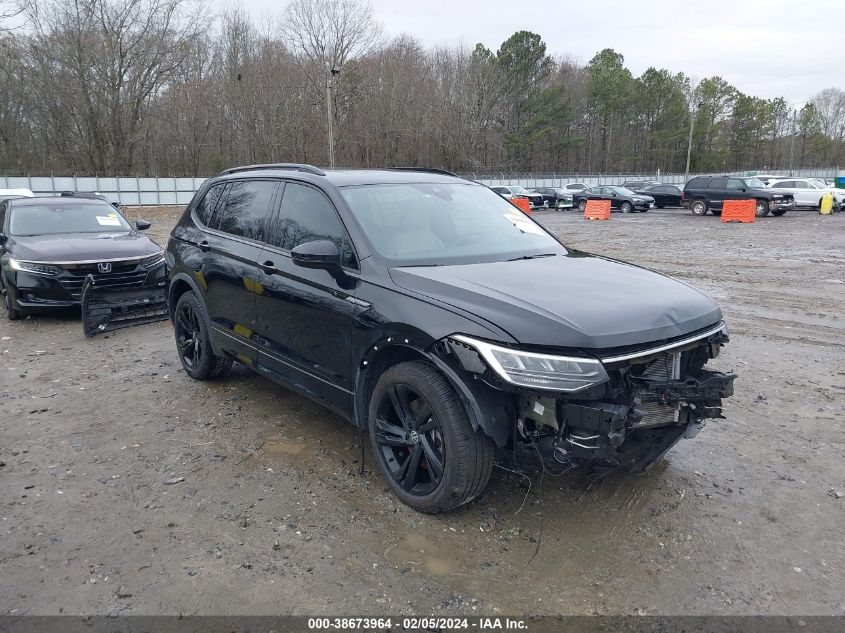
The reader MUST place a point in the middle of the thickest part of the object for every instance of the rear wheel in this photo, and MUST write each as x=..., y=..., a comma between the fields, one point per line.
x=190, y=323
x=13, y=312
x=424, y=445
x=762, y=209
x=698, y=207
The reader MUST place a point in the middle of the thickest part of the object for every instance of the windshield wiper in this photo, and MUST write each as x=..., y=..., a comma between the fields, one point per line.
x=515, y=259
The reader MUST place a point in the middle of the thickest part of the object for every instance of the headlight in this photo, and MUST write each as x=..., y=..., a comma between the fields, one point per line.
x=541, y=371
x=32, y=267
x=153, y=260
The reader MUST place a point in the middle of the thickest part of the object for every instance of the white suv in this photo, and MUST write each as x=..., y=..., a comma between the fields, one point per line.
x=807, y=192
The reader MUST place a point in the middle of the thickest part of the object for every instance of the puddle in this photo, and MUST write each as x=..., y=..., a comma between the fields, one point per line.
x=420, y=553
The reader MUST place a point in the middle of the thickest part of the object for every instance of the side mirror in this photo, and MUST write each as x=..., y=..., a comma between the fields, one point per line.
x=319, y=254
x=142, y=225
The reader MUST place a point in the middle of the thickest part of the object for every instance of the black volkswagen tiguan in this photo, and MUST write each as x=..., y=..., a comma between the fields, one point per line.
x=50, y=245
x=434, y=314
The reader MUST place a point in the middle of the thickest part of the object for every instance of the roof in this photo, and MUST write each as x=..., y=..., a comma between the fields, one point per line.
x=57, y=200
x=347, y=177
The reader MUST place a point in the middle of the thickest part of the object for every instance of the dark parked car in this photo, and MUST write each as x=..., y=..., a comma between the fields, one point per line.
x=708, y=193
x=48, y=246
x=620, y=198
x=429, y=311
x=555, y=197
x=664, y=195
x=635, y=185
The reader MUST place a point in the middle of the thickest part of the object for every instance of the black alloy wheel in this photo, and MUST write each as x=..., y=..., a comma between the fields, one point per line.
x=424, y=445
x=192, y=341
x=410, y=439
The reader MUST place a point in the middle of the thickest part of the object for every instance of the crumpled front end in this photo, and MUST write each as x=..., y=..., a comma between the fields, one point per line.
x=650, y=399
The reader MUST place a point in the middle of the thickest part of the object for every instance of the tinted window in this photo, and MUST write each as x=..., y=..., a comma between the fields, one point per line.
x=697, y=183
x=247, y=208
x=718, y=183
x=209, y=201
x=307, y=215
x=784, y=184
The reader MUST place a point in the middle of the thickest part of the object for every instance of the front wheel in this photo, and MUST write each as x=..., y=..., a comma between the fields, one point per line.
x=193, y=345
x=13, y=312
x=424, y=445
x=762, y=209
x=582, y=205
x=626, y=207
x=698, y=207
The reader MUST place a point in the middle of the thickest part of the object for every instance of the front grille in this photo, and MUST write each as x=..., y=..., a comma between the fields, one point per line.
x=122, y=276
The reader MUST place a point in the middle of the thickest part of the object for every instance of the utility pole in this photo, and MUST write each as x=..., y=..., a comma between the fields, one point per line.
x=792, y=142
x=331, y=71
x=693, y=114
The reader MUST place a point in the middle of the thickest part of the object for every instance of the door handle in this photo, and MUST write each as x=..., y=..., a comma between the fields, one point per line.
x=268, y=268
x=204, y=246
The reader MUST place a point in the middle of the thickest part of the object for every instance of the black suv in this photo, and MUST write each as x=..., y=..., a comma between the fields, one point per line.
x=708, y=193
x=434, y=314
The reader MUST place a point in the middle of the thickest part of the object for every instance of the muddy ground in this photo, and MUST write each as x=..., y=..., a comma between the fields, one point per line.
x=270, y=515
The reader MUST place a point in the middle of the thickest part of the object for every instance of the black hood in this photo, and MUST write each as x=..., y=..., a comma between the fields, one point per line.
x=73, y=247
x=574, y=301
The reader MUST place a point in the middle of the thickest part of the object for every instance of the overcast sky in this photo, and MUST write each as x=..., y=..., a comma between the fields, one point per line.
x=766, y=48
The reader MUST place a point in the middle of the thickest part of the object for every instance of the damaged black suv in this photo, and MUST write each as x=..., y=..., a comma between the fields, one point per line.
x=431, y=312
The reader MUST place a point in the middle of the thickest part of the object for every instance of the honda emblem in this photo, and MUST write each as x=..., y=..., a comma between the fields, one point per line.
x=104, y=267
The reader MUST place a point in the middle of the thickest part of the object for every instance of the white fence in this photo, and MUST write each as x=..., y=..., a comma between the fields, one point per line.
x=135, y=191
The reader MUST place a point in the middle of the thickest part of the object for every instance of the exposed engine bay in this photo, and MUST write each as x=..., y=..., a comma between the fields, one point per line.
x=651, y=399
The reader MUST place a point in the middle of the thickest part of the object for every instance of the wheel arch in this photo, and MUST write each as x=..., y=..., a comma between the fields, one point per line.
x=486, y=408
x=179, y=285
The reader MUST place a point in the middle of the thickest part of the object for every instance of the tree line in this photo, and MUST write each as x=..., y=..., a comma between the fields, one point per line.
x=147, y=87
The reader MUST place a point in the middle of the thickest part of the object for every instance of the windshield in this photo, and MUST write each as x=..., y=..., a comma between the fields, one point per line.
x=818, y=183
x=54, y=218
x=754, y=183
x=560, y=191
x=519, y=190
x=436, y=224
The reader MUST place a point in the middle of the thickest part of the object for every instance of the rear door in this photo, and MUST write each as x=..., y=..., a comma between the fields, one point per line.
x=306, y=316
x=231, y=247
x=716, y=192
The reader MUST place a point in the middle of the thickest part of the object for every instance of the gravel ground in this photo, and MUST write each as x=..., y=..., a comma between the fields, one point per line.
x=129, y=488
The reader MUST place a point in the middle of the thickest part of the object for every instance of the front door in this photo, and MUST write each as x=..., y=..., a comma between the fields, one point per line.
x=306, y=316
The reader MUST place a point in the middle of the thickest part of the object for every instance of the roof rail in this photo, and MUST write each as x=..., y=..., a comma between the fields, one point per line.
x=430, y=170
x=310, y=169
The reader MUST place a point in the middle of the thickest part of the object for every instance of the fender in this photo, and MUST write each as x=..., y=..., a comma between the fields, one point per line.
x=489, y=409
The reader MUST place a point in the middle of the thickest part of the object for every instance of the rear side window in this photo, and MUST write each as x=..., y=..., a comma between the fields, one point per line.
x=735, y=183
x=718, y=183
x=307, y=215
x=206, y=206
x=247, y=208
x=697, y=183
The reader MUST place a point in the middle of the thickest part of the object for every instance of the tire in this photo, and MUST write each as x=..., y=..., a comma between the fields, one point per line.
x=698, y=207
x=193, y=345
x=779, y=212
x=582, y=205
x=435, y=435
x=13, y=312
x=762, y=209
x=716, y=211
x=660, y=206
x=626, y=207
